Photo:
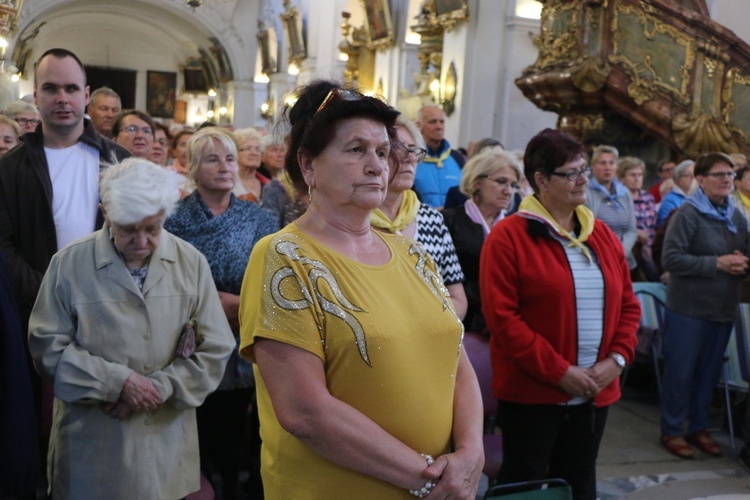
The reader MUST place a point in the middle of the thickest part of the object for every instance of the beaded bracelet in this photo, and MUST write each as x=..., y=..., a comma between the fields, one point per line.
x=427, y=488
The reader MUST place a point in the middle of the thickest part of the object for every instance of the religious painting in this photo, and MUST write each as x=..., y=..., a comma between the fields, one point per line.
x=451, y=13
x=196, y=81
x=446, y=6
x=378, y=25
x=161, y=89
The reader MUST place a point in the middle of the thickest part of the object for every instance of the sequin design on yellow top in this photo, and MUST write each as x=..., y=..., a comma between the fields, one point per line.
x=413, y=339
x=318, y=270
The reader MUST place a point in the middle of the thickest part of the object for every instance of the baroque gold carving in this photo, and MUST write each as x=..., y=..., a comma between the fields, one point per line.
x=645, y=80
x=558, y=48
x=581, y=125
x=734, y=77
x=591, y=74
x=701, y=134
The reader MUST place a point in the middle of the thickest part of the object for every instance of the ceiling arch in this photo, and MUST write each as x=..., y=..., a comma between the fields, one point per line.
x=156, y=34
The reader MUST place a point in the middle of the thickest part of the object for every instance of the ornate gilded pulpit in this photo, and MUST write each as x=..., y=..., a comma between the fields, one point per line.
x=615, y=70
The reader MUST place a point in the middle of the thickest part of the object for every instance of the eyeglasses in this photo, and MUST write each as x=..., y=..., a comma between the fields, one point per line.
x=133, y=129
x=249, y=148
x=343, y=94
x=419, y=153
x=723, y=175
x=502, y=182
x=163, y=142
x=25, y=121
x=573, y=175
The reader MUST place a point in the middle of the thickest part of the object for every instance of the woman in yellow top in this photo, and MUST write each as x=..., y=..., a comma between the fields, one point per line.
x=364, y=390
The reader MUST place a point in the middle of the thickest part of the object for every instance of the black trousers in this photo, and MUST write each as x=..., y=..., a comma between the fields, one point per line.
x=548, y=441
x=221, y=423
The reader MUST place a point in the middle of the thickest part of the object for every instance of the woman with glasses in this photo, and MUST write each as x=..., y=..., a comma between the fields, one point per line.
x=224, y=229
x=364, y=390
x=706, y=253
x=25, y=114
x=630, y=171
x=490, y=180
x=251, y=182
x=610, y=200
x=160, y=148
x=402, y=213
x=683, y=186
x=560, y=307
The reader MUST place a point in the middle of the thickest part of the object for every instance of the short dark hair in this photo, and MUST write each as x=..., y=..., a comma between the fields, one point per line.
x=705, y=162
x=312, y=130
x=136, y=112
x=179, y=135
x=663, y=162
x=60, y=54
x=165, y=129
x=549, y=150
x=741, y=172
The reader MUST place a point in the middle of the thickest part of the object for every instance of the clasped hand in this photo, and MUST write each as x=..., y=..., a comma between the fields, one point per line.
x=588, y=382
x=734, y=263
x=138, y=394
x=459, y=473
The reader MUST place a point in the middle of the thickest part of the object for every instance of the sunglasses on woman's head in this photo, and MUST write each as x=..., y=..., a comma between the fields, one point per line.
x=343, y=94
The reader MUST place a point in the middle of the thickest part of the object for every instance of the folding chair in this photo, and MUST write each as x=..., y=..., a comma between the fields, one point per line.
x=651, y=297
x=543, y=489
x=736, y=374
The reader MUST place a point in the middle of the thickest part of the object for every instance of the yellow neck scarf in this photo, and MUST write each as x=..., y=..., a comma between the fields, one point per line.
x=438, y=161
x=532, y=208
x=745, y=199
x=407, y=212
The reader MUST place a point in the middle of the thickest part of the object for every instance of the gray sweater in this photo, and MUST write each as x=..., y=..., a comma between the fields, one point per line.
x=692, y=246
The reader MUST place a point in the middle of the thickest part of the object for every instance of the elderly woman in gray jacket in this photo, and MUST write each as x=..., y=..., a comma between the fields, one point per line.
x=706, y=253
x=129, y=328
x=610, y=200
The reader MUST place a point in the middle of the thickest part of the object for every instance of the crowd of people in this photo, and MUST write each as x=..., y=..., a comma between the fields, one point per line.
x=292, y=302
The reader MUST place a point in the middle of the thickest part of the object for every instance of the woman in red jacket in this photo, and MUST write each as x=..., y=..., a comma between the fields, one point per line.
x=559, y=304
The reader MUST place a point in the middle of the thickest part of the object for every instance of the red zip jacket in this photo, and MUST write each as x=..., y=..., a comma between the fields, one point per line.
x=528, y=299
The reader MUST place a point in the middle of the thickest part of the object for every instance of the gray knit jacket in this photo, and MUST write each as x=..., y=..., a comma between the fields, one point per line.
x=692, y=246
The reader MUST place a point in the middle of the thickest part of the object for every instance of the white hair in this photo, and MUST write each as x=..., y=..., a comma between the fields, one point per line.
x=137, y=188
x=681, y=168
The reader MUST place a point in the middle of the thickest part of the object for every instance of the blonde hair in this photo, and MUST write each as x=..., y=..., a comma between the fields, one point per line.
x=483, y=164
x=410, y=127
x=246, y=134
x=604, y=149
x=627, y=163
x=137, y=188
x=4, y=120
x=202, y=143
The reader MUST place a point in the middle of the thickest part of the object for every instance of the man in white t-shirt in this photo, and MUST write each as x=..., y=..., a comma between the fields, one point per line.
x=49, y=191
x=49, y=185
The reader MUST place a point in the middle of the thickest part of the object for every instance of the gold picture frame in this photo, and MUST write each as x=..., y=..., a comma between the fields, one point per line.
x=378, y=24
x=450, y=13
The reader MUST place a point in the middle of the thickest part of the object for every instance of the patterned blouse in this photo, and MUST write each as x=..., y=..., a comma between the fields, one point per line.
x=226, y=241
x=645, y=213
x=432, y=234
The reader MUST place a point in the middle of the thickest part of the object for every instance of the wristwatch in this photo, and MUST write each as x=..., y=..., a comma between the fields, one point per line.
x=619, y=359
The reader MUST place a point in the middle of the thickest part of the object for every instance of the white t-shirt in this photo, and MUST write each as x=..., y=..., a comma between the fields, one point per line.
x=74, y=173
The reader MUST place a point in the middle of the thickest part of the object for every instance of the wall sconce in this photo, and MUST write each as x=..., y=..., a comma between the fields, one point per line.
x=267, y=110
x=449, y=90
x=293, y=70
